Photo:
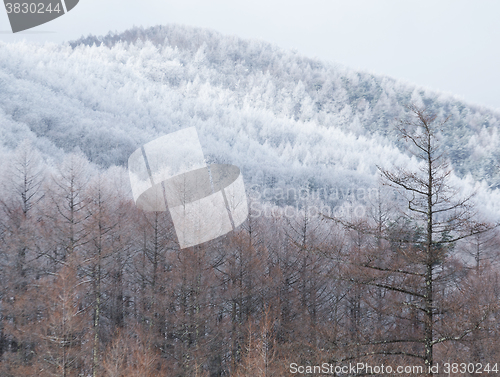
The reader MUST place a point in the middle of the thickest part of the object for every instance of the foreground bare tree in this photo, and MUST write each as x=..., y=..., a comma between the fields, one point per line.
x=415, y=264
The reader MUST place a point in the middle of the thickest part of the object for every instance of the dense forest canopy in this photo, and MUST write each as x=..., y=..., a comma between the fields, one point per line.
x=90, y=285
x=283, y=118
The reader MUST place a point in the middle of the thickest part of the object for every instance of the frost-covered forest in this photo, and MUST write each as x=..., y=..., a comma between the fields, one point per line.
x=280, y=116
x=92, y=286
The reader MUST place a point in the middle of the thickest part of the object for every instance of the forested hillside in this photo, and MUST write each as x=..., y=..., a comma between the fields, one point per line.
x=400, y=268
x=280, y=116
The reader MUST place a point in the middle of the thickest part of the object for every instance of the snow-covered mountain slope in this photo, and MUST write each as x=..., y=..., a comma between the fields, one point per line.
x=283, y=118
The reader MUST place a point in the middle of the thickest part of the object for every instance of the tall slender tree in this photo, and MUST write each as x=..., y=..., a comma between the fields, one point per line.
x=418, y=267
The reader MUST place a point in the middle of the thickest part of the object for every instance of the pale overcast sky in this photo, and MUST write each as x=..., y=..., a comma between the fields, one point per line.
x=450, y=45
